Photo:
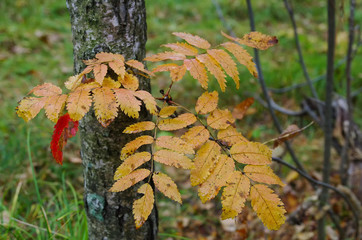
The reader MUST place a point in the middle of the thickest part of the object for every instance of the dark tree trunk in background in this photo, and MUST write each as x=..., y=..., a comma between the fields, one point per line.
x=117, y=26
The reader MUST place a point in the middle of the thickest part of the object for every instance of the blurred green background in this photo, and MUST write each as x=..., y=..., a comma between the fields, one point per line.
x=36, y=47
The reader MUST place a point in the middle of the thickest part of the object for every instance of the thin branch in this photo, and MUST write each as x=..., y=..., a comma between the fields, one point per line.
x=222, y=19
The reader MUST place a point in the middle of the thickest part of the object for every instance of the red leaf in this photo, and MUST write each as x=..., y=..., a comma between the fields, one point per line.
x=64, y=129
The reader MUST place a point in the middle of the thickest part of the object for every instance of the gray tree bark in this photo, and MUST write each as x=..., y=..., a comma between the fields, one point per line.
x=117, y=26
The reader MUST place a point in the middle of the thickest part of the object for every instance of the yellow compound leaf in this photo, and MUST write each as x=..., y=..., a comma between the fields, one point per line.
x=263, y=174
x=234, y=195
x=100, y=71
x=255, y=40
x=142, y=207
x=217, y=179
x=109, y=82
x=79, y=101
x=46, y=90
x=268, y=206
x=148, y=100
x=173, y=159
x=54, y=106
x=197, y=71
x=131, y=163
x=220, y=119
x=253, y=153
x=140, y=127
x=196, y=136
x=205, y=160
x=177, y=73
x=167, y=111
x=133, y=145
x=182, y=48
x=230, y=136
x=105, y=105
x=193, y=40
x=165, y=56
x=29, y=107
x=207, y=102
x=214, y=68
x=242, y=56
x=139, y=66
x=168, y=187
x=129, y=180
x=129, y=81
x=227, y=63
x=174, y=143
x=181, y=121
x=127, y=102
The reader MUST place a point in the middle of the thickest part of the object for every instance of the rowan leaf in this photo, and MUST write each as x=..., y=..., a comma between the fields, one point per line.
x=207, y=102
x=240, y=109
x=142, y=207
x=268, y=206
x=29, y=107
x=217, y=179
x=148, y=100
x=227, y=64
x=100, y=71
x=193, y=40
x=165, y=185
x=182, y=48
x=175, y=144
x=73, y=82
x=230, y=136
x=79, y=101
x=178, y=73
x=54, y=106
x=117, y=65
x=46, y=90
x=234, y=195
x=127, y=102
x=140, y=127
x=263, y=174
x=165, y=67
x=133, y=145
x=242, y=56
x=197, y=71
x=196, y=136
x=253, y=153
x=165, y=56
x=129, y=81
x=104, y=57
x=129, y=180
x=105, y=105
x=167, y=111
x=220, y=119
x=255, y=40
x=214, y=68
x=131, y=163
x=205, y=160
x=188, y=118
x=179, y=122
x=172, y=158
x=109, y=82
x=139, y=66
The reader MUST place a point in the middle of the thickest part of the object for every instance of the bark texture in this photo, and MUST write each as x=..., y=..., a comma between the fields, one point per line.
x=117, y=26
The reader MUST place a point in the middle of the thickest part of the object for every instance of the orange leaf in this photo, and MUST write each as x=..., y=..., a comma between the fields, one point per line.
x=73, y=82
x=46, y=90
x=105, y=105
x=255, y=40
x=129, y=180
x=79, y=101
x=289, y=133
x=127, y=102
x=129, y=81
x=207, y=102
x=140, y=127
x=251, y=153
x=133, y=145
x=165, y=67
x=181, y=121
x=104, y=57
x=139, y=66
x=173, y=159
x=100, y=71
x=30, y=107
x=142, y=207
x=182, y=48
x=197, y=71
x=165, y=185
x=214, y=68
x=240, y=109
x=193, y=40
x=148, y=99
x=177, y=73
x=230, y=136
x=54, y=106
x=220, y=119
x=167, y=111
x=165, y=56
x=263, y=174
x=131, y=163
x=174, y=143
x=196, y=136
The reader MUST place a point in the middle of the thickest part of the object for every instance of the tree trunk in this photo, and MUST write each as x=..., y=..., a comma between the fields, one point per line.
x=117, y=26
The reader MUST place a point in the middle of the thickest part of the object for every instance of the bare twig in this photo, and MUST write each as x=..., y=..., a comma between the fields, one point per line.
x=222, y=19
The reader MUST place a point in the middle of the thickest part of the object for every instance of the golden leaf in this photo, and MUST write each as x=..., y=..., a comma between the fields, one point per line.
x=230, y=136
x=167, y=111
x=54, y=106
x=173, y=159
x=207, y=102
x=181, y=121
x=214, y=68
x=165, y=67
x=217, y=179
x=129, y=180
x=133, y=145
x=188, y=118
x=174, y=143
x=29, y=107
x=205, y=160
x=140, y=127
x=127, y=102
x=142, y=207
x=109, y=82
x=182, y=48
x=129, y=81
x=227, y=64
x=242, y=56
x=196, y=136
x=104, y=57
x=131, y=163
x=46, y=90
x=168, y=187
x=197, y=71
x=73, y=82
x=253, y=153
x=117, y=65
x=105, y=105
x=268, y=206
x=193, y=40
x=177, y=73
x=79, y=101
x=263, y=174
x=240, y=110
x=165, y=56
x=234, y=195
x=100, y=71
x=255, y=40
x=148, y=100
x=139, y=66
x=220, y=119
